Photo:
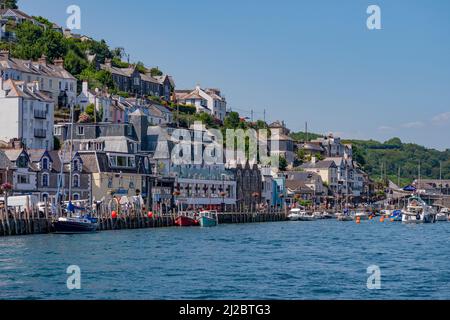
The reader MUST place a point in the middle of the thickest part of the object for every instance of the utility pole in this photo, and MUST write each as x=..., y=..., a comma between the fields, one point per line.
x=264, y=115
x=252, y=115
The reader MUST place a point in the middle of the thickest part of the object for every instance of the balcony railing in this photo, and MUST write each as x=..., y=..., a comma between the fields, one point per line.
x=40, y=114
x=40, y=133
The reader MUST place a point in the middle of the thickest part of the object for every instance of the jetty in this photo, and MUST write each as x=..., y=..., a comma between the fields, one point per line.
x=15, y=223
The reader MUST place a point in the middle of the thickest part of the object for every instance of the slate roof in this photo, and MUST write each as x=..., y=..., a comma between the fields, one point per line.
x=33, y=67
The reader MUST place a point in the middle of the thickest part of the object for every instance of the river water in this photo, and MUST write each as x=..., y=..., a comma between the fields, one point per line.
x=286, y=260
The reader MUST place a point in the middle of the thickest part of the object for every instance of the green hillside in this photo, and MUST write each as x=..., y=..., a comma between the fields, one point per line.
x=383, y=160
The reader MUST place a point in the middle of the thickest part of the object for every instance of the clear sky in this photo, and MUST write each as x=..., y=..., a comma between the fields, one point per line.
x=312, y=61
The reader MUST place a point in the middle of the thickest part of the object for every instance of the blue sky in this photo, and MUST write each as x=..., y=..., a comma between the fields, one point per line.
x=312, y=61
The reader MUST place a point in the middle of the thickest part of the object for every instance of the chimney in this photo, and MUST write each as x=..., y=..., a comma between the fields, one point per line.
x=4, y=54
x=43, y=60
x=85, y=87
x=59, y=62
x=108, y=63
x=313, y=159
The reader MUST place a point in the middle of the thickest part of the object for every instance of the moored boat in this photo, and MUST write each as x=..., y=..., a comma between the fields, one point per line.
x=361, y=216
x=306, y=216
x=294, y=214
x=73, y=225
x=443, y=215
x=418, y=212
x=208, y=219
x=186, y=221
x=396, y=216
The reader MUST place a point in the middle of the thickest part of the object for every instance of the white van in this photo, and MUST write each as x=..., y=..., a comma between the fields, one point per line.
x=22, y=203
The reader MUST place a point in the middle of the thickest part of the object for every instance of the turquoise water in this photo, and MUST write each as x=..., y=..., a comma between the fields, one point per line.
x=292, y=260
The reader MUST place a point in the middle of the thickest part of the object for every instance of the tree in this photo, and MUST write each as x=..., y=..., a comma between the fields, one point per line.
x=74, y=63
x=232, y=121
x=155, y=72
x=8, y=4
x=28, y=36
x=283, y=164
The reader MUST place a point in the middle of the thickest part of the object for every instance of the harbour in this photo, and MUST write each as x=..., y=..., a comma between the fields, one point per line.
x=285, y=260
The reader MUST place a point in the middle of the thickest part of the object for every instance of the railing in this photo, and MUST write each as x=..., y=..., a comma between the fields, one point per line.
x=40, y=114
x=40, y=133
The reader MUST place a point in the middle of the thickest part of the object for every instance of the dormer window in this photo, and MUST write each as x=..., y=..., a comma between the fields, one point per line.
x=45, y=164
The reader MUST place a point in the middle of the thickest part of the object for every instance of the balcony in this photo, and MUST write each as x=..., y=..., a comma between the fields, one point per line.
x=40, y=133
x=40, y=114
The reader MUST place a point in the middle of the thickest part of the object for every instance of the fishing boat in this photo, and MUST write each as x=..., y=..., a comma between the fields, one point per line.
x=443, y=215
x=186, y=220
x=418, y=212
x=209, y=219
x=294, y=214
x=318, y=215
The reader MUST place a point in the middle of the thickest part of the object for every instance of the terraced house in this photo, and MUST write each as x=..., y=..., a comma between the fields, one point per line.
x=56, y=82
x=132, y=81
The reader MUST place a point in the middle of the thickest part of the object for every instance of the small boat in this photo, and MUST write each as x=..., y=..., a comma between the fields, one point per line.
x=294, y=214
x=327, y=215
x=345, y=217
x=209, y=219
x=396, y=216
x=361, y=216
x=318, y=215
x=305, y=216
x=418, y=212
x=186, y=221
x=73, y=225
x=443, y=215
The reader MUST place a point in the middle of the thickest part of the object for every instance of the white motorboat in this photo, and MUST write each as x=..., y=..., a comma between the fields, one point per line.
x=361, y=216
x=418, y=211
x=305, y=216
x=327, y=215
x=318, y=215
x=443, y=215
x=294, y=214
x=344, y=217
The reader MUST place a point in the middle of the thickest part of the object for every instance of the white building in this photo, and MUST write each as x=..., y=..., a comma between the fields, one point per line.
x=101, y=100
x=28, y=114
x=24, y=176
x=54, y=80
x=268, y=184
x=210, y=101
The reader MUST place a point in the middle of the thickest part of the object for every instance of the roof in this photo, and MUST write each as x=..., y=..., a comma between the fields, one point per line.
x=16, y=12
x=13, y=154
x=324, y=164
x=15, y=89
x=295, y=185
x=34, y=67
x=4, y=161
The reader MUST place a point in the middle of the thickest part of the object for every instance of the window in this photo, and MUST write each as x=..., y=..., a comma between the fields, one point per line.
x=81, y=131
x=76, y=165
x=45, y=164
x=22, y=179
x=131, y=185
x=45, y=180
x=136, y=81
x=76, y=196
x=50, y=83
x=76, y=181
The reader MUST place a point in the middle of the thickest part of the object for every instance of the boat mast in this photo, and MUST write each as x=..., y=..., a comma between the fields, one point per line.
x=71, y=153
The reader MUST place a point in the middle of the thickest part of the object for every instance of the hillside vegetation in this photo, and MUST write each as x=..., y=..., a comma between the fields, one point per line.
x=383, y=160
